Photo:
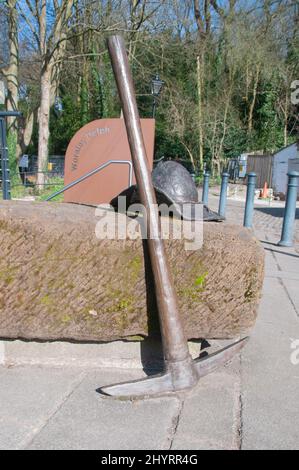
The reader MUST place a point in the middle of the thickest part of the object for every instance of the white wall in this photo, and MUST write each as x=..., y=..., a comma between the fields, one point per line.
x=294, y=166
x=281, y=166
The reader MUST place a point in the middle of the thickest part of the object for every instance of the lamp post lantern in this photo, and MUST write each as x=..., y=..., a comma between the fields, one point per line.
x=157, y=85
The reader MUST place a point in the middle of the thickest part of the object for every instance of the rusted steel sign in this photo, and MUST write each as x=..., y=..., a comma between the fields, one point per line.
x=97, y=143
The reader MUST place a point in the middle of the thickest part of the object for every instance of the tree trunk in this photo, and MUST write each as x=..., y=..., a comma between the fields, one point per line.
x=226, y=109
x=200, y=115
x=216, y=167
x=285, y=132
x=44, y=108
x=11, y=73
x=286, y=119
x=43, y=127
x=190, y=155
x=51, y=44
x=25, y=137
x=252, y=104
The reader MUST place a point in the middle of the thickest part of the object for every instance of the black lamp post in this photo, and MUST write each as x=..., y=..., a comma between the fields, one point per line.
x=157, y=85
x=4, y=152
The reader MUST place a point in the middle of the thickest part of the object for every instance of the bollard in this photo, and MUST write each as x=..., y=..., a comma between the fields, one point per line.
x=223, y=194
x=290, y=210
x=205, y=188
x=248, y=215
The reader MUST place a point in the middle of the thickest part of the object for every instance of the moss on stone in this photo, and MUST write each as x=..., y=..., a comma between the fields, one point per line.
x=46, y=300
x=122, y=321
x=137, y=338
x=192, y=288
x=200, y=280
x=65, y=319
x=250, y=292
x=135, y=267
x=7, y=275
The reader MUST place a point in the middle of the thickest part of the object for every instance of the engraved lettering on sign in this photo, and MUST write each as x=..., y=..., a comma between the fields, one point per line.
x=86, y=138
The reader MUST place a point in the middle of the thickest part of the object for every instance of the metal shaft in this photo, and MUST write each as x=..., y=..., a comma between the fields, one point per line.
x=4, y=152
x=4, y=161
x=249, y=204
x=10, y=114
x=154, y=108
x=174, y=343
x=205, y=188
x=290, y=210
x=223, y=194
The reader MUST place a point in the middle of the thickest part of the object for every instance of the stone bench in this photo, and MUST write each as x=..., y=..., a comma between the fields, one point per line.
x=58, y=281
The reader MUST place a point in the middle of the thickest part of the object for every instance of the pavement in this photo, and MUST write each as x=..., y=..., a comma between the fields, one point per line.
x=251, y=403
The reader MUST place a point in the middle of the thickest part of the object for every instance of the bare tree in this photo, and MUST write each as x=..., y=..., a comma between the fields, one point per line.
x=202, y=15
x=11, y=71
x=48, y=23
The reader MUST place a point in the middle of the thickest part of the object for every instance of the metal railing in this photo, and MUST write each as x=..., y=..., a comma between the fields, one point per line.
x=93, y=172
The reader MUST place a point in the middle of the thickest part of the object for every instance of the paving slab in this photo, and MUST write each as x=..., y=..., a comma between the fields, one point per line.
x=287, y=275
x=250, y=404
x=270, y=263
x=287, y=260
x=292, y=286
x=28, y=396
x=90, y=421
x=210, y=416
x=270, y=382
x=3, y=371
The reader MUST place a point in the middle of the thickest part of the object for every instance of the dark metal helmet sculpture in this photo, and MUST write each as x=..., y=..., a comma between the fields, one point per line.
x=174, y=188
x=172, y=179
x=174, y=182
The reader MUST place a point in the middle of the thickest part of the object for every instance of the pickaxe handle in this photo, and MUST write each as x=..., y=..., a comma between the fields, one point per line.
x=174, y=342
x=181, y=372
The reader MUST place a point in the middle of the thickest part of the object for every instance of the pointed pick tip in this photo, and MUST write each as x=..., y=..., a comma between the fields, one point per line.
x=219, y=358
x=152, y=385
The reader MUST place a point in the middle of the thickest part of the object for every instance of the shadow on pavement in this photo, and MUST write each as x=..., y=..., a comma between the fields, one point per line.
x=274, y=211
x=268, y=243
x=282, y=252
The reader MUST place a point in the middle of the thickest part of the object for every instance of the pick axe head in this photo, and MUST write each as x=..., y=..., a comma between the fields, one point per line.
x=172, y=379
x=181, y=372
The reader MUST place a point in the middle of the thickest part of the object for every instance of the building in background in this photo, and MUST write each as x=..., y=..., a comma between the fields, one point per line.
x=269, y=168
x=285, y=160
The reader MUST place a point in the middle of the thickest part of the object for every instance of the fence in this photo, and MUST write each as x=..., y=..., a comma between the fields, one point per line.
x=53, y=180
x=56, y=162
x=261, y=165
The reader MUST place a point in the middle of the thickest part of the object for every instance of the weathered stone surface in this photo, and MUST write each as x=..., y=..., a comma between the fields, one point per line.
x=58, y=281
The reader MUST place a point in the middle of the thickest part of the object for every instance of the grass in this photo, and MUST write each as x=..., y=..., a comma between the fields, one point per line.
x=213, y=181
x=55, y=183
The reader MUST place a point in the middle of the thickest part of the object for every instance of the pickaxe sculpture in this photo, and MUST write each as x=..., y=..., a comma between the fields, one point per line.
x=181, y=372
